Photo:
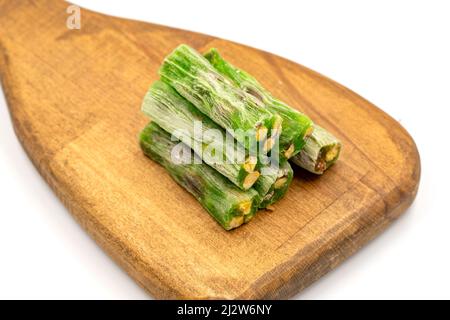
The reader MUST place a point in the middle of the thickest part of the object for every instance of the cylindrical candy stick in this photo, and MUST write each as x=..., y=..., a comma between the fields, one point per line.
x=273, y=184
x=210, y=142
x=229, y=205
x=311, y=150
x=321, y=151
x=195, y=79
x=297, y=127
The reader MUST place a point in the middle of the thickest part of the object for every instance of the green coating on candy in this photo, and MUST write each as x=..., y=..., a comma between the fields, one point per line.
x=189, y=73
x=209, y=141
x=296, y=125
x=321, y=151
x=273, y=184
x=229, y=205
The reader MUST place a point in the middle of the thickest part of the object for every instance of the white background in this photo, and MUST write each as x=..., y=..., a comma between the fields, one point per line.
x=394, y=53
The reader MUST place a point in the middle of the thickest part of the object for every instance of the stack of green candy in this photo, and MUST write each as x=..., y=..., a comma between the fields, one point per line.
x=216, y=162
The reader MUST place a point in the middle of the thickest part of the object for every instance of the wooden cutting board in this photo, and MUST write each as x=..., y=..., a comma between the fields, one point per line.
x=74, y=98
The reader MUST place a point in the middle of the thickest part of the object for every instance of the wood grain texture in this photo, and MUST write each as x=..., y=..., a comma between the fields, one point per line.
x=74, y=98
